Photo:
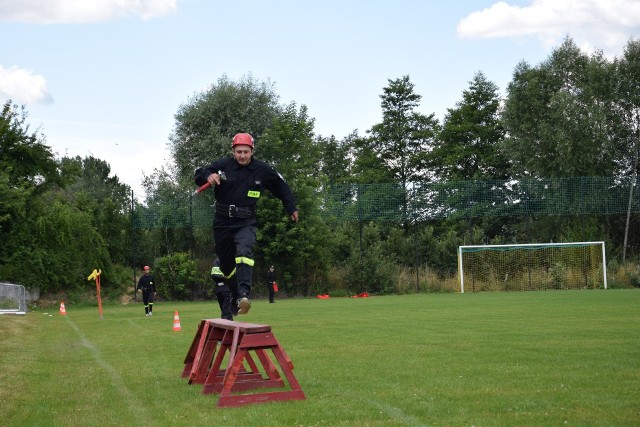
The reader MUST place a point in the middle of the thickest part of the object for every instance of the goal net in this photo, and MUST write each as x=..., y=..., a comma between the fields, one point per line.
x=530, y=267
x=13, y=299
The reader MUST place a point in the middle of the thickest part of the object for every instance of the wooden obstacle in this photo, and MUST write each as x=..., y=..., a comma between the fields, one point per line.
x=239, y=342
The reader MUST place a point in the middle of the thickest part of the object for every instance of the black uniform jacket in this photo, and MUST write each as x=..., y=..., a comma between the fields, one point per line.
x=271, y=276
x=242, y=186
x=146, y=283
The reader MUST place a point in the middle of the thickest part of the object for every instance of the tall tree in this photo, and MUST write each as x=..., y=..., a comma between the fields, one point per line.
x=95, y=191
x=557, y=116
x=289, y=145
x=469, y=145
x=47, y=241
x=167, y=211
x=405, y=135
x=26, y=164
x=27, y=169
x=335, y=163
x=206, y=124
x=628, y=108
x=628, y=111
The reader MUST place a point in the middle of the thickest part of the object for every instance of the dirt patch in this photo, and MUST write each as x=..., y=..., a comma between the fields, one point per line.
x=128, y=297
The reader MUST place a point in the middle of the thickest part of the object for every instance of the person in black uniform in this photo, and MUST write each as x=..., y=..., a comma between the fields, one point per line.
x=146, y=283
x=238, y=184
x=271, y=279
x=223, y=293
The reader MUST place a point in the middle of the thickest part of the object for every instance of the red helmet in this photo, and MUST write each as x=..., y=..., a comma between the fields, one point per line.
x=242, y=139
x=146, y=267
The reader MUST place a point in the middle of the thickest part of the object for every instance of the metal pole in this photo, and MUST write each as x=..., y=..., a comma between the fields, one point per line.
x=133, y=250
x=460, y=269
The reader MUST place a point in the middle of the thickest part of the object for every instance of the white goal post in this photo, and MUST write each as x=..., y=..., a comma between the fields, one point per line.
x=13, y=299
x=533, y=266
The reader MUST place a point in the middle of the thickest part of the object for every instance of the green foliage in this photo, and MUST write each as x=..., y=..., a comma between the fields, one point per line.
x=206, y=124
x=24, y=157
x=334, y=161
x=176, y=276
x=61, y=250
x=369, y=270
x=119, y=282
x=300, y=250
x=469, y=144
x=404, y=136
x=627, y=108
x=90, y=188
x=558, y=116
x=49, y=242
x=27, y=168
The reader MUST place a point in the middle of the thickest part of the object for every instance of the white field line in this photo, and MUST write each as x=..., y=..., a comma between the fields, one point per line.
x=395, y=413
x=136, y=408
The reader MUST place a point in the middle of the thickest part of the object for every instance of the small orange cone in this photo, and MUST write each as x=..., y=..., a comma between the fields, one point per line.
x=176, y=322
x=63, y=311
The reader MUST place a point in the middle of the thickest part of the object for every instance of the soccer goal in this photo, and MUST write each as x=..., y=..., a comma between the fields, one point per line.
x=531, y=267
x=13, y=299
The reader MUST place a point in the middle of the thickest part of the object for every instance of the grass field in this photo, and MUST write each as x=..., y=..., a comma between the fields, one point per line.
x=489, y=359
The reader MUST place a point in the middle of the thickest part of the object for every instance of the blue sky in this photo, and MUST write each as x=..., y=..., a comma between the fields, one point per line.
x=106, y=77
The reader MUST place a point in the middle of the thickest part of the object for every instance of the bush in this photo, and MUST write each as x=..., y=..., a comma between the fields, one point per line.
x=623, y=276
x=371, y=273
x=176, y=276
x=119, y=282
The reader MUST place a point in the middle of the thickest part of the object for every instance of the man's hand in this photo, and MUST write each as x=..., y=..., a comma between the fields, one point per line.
x=213, y=179
x=294, y=217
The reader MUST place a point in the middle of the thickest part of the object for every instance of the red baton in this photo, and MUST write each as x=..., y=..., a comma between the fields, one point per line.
x=202, y=188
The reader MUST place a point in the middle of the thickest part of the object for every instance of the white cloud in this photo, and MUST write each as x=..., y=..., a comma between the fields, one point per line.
x=22, y=86
x=593, y=24
x=80, y=11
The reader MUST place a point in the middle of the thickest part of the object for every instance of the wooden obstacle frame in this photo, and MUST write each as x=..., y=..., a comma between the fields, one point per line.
x=243, y=381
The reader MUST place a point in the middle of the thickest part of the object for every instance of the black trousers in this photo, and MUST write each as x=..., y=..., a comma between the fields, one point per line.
x=225, y=300
x=147, y=299
x=272, y=293
x=234, y=240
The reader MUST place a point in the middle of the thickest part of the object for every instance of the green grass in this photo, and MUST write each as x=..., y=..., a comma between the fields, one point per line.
x=489, y=359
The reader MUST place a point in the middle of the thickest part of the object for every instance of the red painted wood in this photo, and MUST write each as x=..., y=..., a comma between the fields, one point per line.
x=240, y=342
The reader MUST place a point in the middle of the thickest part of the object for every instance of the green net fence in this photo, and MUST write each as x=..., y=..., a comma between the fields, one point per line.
x=426, y=201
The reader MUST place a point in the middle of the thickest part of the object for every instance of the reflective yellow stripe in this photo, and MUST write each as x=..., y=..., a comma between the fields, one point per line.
x=216, y=271
x=254, y=194
x=244, y=260
x=230, y=274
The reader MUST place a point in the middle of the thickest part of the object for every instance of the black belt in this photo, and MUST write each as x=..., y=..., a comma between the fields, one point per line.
x=233, y=211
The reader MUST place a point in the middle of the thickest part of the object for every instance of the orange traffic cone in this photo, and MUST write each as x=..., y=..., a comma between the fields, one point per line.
x=176, y=322
x=62, y=309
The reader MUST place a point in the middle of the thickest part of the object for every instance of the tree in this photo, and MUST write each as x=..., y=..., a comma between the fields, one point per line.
x=290, y=147
x=27, y=169
x=469, y=144
x=207, y=123
x=558, y=116
x=91, y=188
x=168, y=203
x=628, y=110
x=27, y=166
x=404, y=136
x=55, y=247
x=335, y=162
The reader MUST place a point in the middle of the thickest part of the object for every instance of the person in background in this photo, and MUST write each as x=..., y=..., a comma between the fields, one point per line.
x=271, y=279
x=238, y=183
x=146, y=284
